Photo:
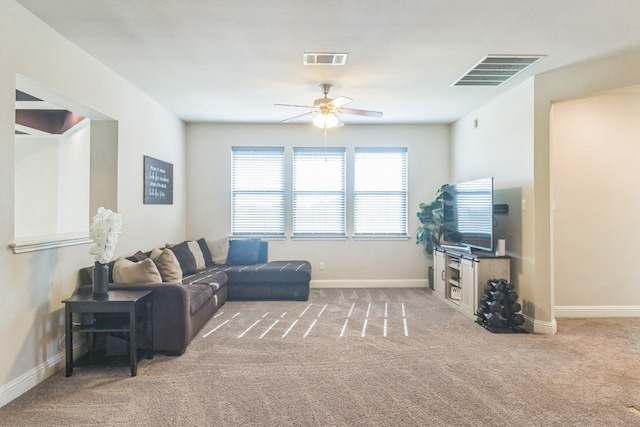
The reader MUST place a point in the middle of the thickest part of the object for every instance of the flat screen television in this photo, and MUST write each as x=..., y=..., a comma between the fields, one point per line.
x=468, y=214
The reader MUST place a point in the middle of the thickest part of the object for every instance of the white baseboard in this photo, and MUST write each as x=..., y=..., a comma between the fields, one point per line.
x=597, y=311
x=35, y=376
x=30, y=379
x=368, y=283
x=539, y=326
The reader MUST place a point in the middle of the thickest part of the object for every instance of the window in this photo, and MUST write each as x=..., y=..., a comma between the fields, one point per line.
x=257, y=183
x=319, y=192
x=380, y=192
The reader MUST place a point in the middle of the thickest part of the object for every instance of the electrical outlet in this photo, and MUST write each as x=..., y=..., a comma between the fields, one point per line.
x=322, y=265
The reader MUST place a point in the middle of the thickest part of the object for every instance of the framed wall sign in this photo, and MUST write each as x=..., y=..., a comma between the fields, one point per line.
x=158, y=182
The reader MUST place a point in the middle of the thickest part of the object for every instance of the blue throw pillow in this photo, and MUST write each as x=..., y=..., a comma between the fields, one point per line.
x=244, y=252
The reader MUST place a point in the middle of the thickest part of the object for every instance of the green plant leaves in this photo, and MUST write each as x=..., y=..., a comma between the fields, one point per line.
x=431, y=217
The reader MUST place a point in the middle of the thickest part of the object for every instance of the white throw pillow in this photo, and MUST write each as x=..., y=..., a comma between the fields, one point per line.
x=219, y=250
x=194, y=247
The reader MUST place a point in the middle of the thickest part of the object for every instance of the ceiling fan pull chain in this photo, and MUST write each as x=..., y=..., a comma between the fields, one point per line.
x=325, y=141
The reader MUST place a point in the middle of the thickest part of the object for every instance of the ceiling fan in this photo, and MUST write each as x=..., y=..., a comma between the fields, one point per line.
x=326, y=110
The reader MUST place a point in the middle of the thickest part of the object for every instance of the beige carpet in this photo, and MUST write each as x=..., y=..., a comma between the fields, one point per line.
x=380, y=357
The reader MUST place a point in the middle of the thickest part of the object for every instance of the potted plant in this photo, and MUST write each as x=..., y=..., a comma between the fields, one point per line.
x=431, y=216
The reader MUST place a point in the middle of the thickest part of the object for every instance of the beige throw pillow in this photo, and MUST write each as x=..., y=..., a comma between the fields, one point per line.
x=145, y=271
x=167, y=264
x=194, y=247
x=219, y=250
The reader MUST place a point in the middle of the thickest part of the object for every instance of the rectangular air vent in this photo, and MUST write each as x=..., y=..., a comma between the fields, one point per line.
x=325, y=58
x=494, y=70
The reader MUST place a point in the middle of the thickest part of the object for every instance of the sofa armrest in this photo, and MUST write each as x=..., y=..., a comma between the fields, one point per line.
x=171, y=316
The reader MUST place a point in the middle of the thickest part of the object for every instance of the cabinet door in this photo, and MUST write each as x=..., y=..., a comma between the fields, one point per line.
x=439, y=272
x=468, y=280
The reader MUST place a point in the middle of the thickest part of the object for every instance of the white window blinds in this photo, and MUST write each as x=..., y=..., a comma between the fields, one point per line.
x=380, y=191
x=257, y=182
x=319, y=192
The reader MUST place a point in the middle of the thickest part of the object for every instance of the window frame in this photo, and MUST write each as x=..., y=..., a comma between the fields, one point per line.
x=276, y=228
x=361, y=195
x=338, y=210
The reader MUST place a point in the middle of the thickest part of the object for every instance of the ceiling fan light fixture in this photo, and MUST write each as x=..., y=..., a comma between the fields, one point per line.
x=325, y=110
x=327, y=121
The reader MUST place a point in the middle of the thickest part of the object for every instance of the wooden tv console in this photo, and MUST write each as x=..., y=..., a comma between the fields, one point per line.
x=460, y=276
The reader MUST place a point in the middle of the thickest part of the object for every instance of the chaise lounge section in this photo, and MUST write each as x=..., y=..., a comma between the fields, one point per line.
x=276, y=280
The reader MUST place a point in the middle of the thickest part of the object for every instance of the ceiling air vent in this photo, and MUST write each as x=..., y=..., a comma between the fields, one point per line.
x=494, y=70
x=325, y=58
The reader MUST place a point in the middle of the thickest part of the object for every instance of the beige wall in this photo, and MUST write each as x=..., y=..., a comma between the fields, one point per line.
x=573, y=82
x=523, y=147
x=595, y=148
x=40, y=154
x=52, y=171
x=33, y=284
x=347, y=263
x=497, y=140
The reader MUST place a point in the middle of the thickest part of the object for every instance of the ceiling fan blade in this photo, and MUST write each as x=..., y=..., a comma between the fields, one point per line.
x=297, y=117
x=368, y=113
x=294, y=105
x=339, y=102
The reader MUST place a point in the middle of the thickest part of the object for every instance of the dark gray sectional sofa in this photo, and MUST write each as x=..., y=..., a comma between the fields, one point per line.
x=180, y=310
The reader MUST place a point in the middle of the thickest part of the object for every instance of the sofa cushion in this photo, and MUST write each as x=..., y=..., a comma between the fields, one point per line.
x=272, y=272
x=206, y=253
x=219, y=250
x=185, y=258
x=126, y=271
x=213, y=276
x=194, y=247
x=167, y=264
x=243, y=252
x=199, y=294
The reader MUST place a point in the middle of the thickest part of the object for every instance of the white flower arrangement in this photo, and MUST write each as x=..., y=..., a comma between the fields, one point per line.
x=104, y=232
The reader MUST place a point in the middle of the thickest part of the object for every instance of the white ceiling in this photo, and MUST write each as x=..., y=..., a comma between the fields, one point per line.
x=230, y=61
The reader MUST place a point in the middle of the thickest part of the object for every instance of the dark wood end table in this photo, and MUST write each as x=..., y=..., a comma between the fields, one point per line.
x=120, y=312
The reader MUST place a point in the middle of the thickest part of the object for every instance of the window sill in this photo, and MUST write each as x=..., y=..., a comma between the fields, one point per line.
x=257, y=236
x=381, y=237
x=49, y=242
x=319, y=238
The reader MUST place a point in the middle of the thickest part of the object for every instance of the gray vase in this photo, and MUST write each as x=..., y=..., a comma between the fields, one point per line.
x=100, y=279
